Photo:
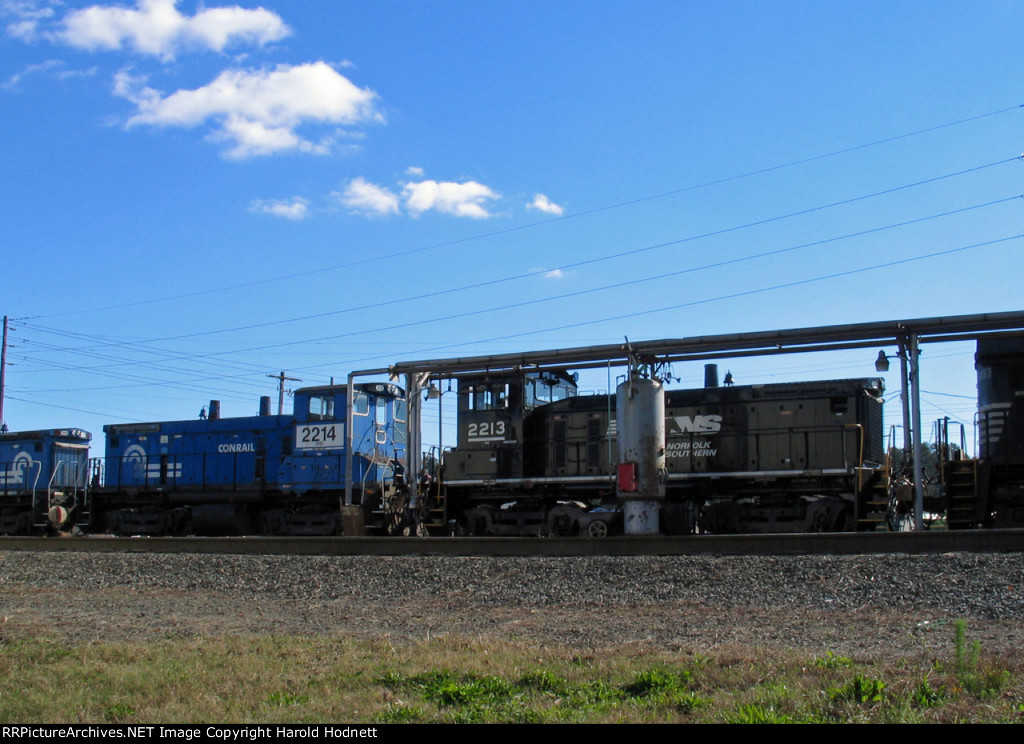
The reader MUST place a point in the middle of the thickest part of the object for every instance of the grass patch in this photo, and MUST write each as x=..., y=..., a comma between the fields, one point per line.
x=269, y=679
x=983, y=681
x=861, y=689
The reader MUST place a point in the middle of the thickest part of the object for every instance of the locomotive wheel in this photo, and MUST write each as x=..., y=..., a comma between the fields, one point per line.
x=597, y=528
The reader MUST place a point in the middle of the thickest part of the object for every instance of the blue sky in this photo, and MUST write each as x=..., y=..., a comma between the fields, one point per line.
x=196, y=196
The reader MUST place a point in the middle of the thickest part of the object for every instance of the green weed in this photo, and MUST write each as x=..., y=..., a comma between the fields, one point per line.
x=401, y=714
x=758, y=713
x=861, y=689
x=926, y=696
x=286, y=699
x=831, y=661
x=119, y=713
x=980, y=681
x=658, y=682
x=661, y=687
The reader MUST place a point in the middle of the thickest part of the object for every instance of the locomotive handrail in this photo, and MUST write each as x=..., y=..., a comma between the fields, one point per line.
x=860, y=453
x=79, y=482
x=62, y=465
x=35, y=483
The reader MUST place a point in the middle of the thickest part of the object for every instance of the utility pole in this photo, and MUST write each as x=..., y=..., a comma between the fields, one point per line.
x=280, y=389
x=3, y=372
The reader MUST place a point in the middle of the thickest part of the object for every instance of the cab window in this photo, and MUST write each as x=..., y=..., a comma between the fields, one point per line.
x=488, y=397
x=321, y=408
x=546, y=388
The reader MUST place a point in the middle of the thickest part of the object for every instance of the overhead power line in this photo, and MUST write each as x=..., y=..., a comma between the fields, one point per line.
x=540, y=223
x=597, y=259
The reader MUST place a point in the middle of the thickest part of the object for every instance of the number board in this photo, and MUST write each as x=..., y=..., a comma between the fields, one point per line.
x=320, y=436
x=486, y=431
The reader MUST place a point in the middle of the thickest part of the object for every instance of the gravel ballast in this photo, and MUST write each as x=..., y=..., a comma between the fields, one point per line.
x=845, y=604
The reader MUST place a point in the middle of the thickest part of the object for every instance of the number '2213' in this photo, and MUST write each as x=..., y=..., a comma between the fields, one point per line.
x=486, y=429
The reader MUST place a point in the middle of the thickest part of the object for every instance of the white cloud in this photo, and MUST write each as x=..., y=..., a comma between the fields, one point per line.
x=258, y=111
x=413, y=170
x=52, y=68
x=156, y=27
x=295, y=208
x=549, y=273
x=29, y=16
x=41, y=68
x=367, y=198
x=468, y=199
x=543, y=204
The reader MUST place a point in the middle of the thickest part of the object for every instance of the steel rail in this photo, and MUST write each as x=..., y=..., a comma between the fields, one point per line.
x=839, y=543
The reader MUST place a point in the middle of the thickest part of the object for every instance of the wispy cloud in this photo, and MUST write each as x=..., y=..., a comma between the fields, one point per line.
x=257, y=111
x=549, y=273
x=52, y=67
x=28, y=14
x=543, y=204
x=367, y=198
x=295, y=208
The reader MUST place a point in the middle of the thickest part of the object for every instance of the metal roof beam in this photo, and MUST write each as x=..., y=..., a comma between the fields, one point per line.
x=788, y=341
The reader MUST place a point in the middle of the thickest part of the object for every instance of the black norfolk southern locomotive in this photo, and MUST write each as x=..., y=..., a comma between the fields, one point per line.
x=988, y=491
x=536, y=458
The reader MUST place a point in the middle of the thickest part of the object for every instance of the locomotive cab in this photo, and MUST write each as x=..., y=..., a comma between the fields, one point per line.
x=491, y=477
x=379, y=427
x=493, y=413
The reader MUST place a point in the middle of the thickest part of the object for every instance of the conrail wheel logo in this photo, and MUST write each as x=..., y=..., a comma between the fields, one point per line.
x=710, y=424
x=17, y=475
x=135, y=453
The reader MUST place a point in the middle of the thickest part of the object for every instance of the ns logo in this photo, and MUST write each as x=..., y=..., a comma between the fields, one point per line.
x=707, y=424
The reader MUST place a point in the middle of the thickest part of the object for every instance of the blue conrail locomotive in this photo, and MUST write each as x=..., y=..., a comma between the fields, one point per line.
x=44, y=478
x=265, y=474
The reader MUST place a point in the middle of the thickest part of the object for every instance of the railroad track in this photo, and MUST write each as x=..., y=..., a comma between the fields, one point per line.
x=965, y=541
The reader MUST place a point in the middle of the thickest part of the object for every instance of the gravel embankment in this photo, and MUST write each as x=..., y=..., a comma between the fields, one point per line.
x=891, y=604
